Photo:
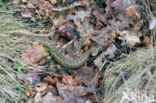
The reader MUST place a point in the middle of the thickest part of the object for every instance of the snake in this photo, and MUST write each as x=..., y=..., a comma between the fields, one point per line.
x=59, y=56
x=72, y=63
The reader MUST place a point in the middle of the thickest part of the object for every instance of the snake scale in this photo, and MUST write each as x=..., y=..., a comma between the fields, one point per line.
x=59, y=57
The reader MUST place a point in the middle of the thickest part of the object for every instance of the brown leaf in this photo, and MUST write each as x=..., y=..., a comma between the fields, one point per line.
x=73, y=96
x=51, y=98
x=129, y=37
x=68, y=80
x=79, y=16
x=110, y=51
x=146, y=40
x=99, y=13
x=86, y=75
x=48, y=98
x=51, y=80
x=121, y=23
x=34, y=54
x=121, y=5
x=108, y=10
x=133, y=12
x=43, y=4
x=29, y=89
x=104, y=38
x=99, y=61
x=41, y=87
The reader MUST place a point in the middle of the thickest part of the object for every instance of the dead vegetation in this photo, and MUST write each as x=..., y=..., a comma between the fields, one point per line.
x=93, y=23
x=133, y=74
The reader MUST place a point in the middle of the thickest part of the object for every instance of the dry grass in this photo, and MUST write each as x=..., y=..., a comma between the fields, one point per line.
x=131, y=74
x=133, y=78
x=134, y=74
x=12, y=45
x=11, y=89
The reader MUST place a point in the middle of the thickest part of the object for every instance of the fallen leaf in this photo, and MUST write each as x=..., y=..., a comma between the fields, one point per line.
x=121, y=23
x=146, y=40
x=43, y=4
x=68, y=80
x=130, y=38
x=110, y=51
x=133, y=12
x=41, y=87
x=108, y=10
x=99, y=61
x=104, y=38
x=86, y=75
x=99, y=13
x=73, y=96
x=30, y=91
x=48, y=98
x=51, y=80
x=121, y=5
x=34, y=54
x=77, y=18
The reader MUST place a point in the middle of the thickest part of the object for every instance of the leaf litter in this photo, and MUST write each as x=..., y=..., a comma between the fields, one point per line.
x=77, y=25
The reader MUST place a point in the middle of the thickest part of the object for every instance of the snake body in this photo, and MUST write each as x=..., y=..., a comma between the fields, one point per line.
x=59, y=57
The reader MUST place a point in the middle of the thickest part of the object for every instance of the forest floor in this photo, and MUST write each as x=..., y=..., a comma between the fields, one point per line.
x=124, y=71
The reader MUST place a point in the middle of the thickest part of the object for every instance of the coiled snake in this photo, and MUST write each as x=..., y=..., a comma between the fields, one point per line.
x=59, y=57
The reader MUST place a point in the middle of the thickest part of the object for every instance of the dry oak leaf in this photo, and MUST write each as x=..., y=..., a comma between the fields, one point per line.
x=133, y=12
x=51, y=98
x=110, y=51
x=86, y=75
x=79, y=16
x=121, y=5
x=129, y=37
x=29, y=89
x=34, y=54
x=104, y=38
x=75, y=96
x=41, y=87
x=98, y=13
x=99, y=61
x=43, y=4
x=51, y=80
x=48, y=98
x=70, y=82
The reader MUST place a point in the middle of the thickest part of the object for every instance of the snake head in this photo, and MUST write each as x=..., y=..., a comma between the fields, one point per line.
x=95, y=50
